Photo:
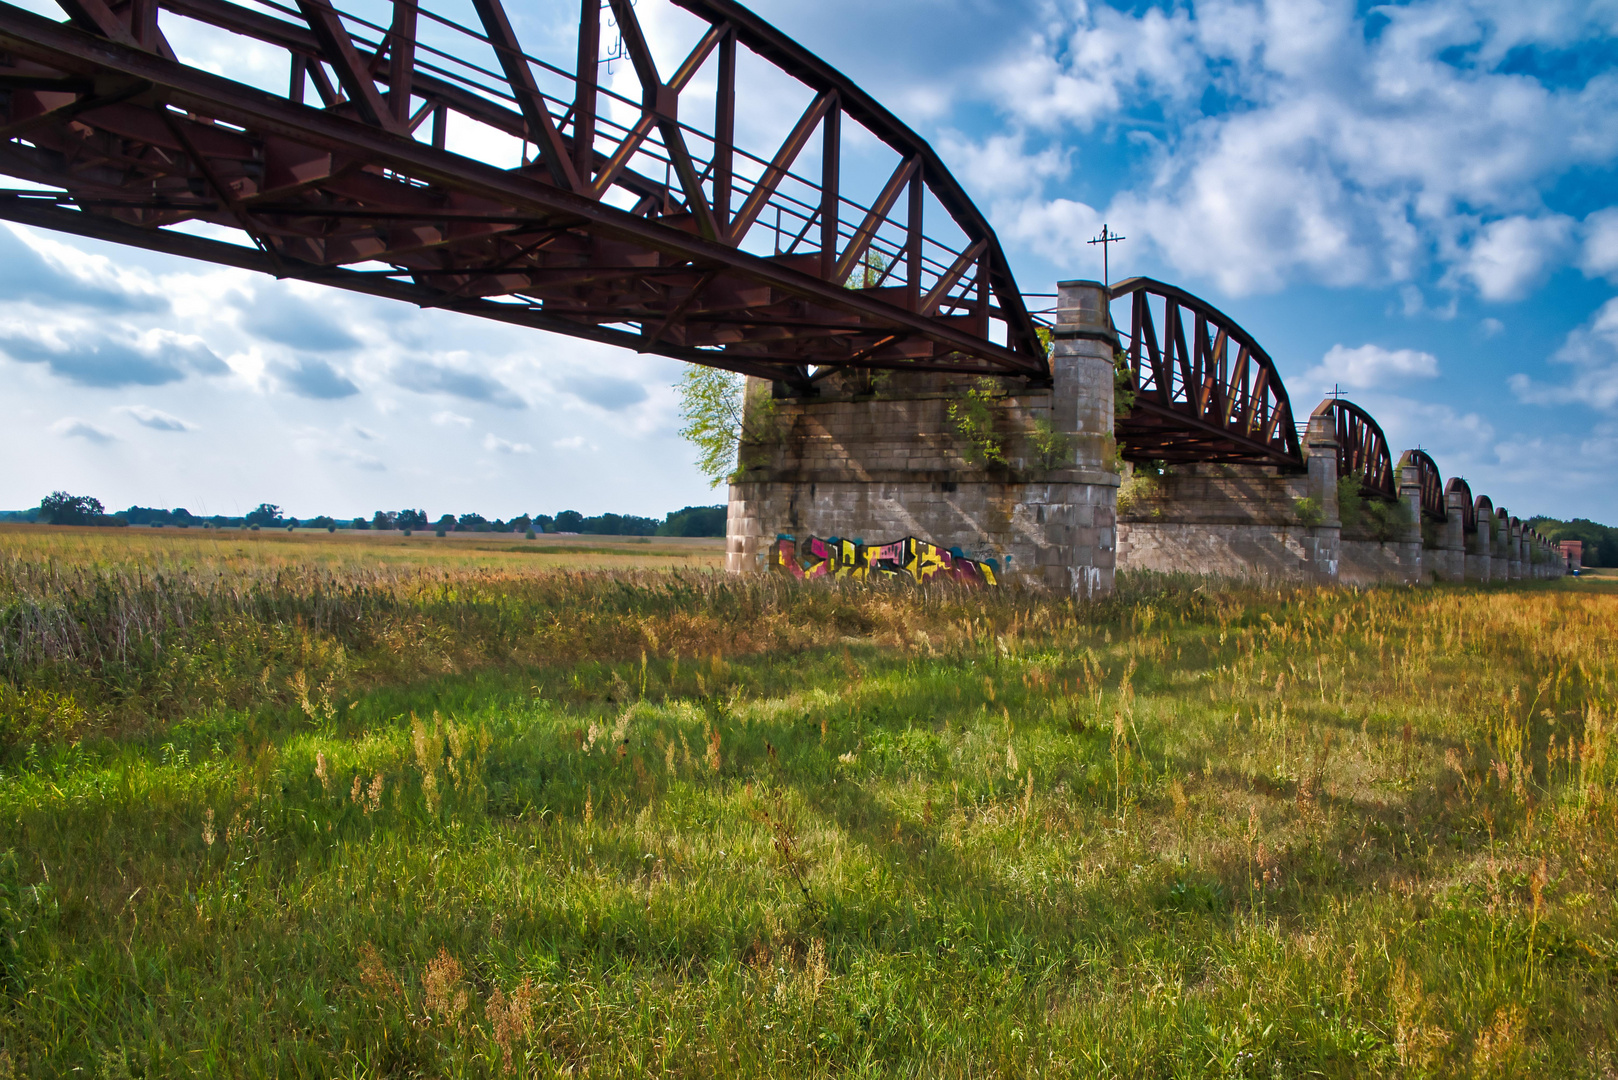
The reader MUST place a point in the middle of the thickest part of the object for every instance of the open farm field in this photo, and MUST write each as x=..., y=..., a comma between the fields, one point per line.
x=329, y=806
x=256, y=553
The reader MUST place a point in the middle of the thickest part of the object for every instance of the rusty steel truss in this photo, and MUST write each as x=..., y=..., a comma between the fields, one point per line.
x=400, y=153
x=1362, y=449
x=1204, y=389
x=1469, y=517
x=1433, y=507
x=621, y=219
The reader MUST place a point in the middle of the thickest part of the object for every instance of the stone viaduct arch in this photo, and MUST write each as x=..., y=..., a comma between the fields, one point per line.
x=898, y=382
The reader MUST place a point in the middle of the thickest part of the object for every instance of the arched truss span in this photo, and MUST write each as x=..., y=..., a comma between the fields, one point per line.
x=634, y=218
x=1433, y=507
x=1469, y=520
x=1361, y=447
x=1483, y=510
x=1204, y=389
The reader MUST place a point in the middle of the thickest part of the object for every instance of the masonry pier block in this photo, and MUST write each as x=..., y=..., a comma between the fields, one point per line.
x=1452, y=537
x=878, y=456
x=1410, y=544
x=1237, y=520
x=1480, y=545
x=1511, y=541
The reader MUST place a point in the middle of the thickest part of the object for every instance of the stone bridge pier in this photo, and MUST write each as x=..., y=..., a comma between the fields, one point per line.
x=1453, y=535
x=1237, y=520
x=878, y=456
x=1276, y=523
x=1024, y=476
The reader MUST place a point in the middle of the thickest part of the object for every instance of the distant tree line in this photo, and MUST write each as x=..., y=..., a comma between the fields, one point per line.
x=61, y=508
x=1600, y=541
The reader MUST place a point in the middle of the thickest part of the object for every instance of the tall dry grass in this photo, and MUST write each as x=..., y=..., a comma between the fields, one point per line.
x=704, y=826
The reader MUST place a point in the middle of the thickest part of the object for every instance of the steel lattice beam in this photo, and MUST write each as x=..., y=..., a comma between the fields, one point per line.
x=1469, y=517
x=1194, y=400
x=1362, y=449
x=1433, y=506
x=357, y=189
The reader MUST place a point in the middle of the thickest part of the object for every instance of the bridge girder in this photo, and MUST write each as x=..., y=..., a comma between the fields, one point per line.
x=1362, y=448
x=581, y=238
x=1433, y=504
x=1469, y=518
x=1194, y=401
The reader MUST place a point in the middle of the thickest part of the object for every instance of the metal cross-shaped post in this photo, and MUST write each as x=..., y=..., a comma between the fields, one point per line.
x=1106, y=240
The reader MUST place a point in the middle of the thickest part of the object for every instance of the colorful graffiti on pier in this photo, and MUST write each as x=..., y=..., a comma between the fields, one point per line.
x=918, y=559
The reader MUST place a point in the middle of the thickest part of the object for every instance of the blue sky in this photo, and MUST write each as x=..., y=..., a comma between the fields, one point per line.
x=1416, y=202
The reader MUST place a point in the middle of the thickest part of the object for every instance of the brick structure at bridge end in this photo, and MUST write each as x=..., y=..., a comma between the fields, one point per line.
x=878, y=456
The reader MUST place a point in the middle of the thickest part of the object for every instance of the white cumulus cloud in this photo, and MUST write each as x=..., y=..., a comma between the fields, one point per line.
x=1299, y=141
x=71, y=427
x=1512, y=254
x=496, y=444
x=1592, y=352
x=1369, y=367
x=156, y=419
x=1599, y=257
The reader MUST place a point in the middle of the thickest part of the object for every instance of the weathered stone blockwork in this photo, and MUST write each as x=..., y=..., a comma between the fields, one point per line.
x=876, y=457
x=1249, y=521
x=879, y=457
x=1237, y=520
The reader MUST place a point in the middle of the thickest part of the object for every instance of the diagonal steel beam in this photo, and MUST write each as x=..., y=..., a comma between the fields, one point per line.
x=874, y=218
x=338, y=49
x=97, y=16
x=542, y=128
x=224, y=194
x=754, y=205
x=663, y=103
x=614, y=167
x=947, y=280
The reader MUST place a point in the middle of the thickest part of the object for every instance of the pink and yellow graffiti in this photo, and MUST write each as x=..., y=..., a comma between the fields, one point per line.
x=918, y=559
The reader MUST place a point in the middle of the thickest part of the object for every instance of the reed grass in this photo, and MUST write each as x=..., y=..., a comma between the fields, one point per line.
x=487, y=821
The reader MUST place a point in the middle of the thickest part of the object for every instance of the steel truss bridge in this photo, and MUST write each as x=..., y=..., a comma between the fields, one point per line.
x=429, y=155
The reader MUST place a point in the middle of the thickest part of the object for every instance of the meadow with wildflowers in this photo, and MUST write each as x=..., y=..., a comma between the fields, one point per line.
x=300, y=810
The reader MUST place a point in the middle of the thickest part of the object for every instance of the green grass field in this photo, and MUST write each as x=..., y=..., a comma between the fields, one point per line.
x=323, y=806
